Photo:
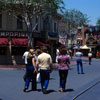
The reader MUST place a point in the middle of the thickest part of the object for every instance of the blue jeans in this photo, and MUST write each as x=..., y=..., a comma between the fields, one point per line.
x=63, y=76
x=45, y=76
x=79, y=63
x=30, y=76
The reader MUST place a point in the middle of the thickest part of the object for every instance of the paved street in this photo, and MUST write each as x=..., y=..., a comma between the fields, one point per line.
x=91, y=94
x=78, y=85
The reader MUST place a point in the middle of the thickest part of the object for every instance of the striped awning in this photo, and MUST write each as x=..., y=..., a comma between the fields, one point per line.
x=4, y=41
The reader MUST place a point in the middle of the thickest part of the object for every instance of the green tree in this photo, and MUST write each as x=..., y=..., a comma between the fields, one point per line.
x=30, y=8
x=71, y=21
x=74, y=18
x=98, y=22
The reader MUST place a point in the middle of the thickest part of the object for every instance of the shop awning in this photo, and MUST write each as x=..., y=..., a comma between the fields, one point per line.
x=85, y=47
x=19, y=41
x=38, y=43
x=76, y=47
x=52, y=34
x=4, y=41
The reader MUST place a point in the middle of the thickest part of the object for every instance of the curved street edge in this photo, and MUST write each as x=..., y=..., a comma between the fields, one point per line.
x=78, y=92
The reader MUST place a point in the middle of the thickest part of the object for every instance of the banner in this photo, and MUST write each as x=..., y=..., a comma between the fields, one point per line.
x=63, y=39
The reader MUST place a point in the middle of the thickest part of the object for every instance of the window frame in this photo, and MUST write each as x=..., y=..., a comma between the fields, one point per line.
x=19, y=22
x=0, y=20
x=55, y=26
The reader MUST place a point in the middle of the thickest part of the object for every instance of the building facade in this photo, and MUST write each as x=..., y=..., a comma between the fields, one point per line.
x=89, y=36
x=14, y=36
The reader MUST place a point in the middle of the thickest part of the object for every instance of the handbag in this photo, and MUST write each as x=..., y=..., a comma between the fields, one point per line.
x=38, y=79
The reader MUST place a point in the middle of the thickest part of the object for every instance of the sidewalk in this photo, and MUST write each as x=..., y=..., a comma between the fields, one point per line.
x=12, y=66
x=72, y=63
x=23, y=66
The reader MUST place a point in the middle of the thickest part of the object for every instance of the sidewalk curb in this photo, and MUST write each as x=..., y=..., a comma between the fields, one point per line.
x=55, y=66
x=12, y=68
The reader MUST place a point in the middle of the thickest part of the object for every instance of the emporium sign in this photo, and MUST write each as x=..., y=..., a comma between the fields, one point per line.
x=13, y=34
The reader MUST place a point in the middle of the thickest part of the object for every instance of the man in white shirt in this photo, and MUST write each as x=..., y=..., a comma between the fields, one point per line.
x=90, y=57
x=79, y=61
x=25, y=57
x=25, y=61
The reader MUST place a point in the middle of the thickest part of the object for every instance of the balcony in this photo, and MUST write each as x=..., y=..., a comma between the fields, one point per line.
x=52, y=36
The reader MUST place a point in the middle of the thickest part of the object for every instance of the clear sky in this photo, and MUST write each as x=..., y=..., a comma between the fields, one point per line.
x=89, y=7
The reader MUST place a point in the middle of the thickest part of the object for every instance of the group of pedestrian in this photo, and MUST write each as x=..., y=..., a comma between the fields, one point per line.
x=41, y=59
x=38, y=61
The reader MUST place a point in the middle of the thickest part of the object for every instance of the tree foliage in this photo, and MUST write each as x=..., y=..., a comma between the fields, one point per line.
x=98, y=22
x=71, y=21
x=35, y=7
x=74, y=18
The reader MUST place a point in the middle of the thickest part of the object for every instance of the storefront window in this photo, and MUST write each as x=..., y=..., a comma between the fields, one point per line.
x=36, y=20
x=3, y=50
x=55, y=27
x=0, y=20
x=46, y=24
x=19, y=22
x=18, y=50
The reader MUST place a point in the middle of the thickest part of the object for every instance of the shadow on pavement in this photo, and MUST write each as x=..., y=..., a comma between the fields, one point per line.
x=69, y=90
x=52, y=78
x=50, y=91
x=39, y=90
x=30, y=91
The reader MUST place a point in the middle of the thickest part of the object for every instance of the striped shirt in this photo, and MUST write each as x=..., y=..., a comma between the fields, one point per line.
x=79, y=55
